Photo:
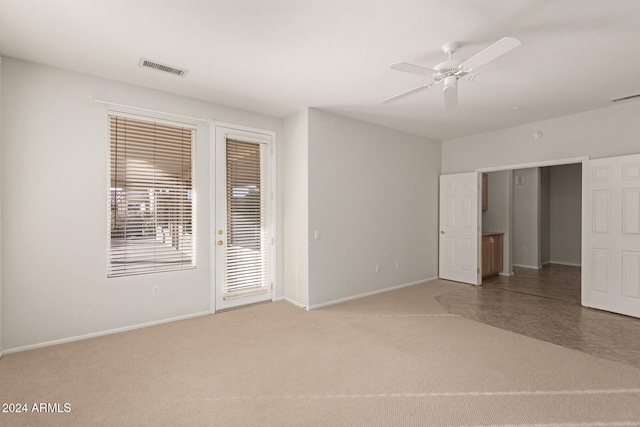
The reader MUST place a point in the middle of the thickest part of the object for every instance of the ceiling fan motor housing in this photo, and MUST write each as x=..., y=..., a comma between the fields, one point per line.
x=449, y=67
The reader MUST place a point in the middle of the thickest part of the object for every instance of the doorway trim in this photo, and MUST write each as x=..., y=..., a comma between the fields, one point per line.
x=540, y=164
x=273, y=262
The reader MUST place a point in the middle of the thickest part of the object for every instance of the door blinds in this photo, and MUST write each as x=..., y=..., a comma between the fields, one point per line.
x=246, y=248
x=151, y=197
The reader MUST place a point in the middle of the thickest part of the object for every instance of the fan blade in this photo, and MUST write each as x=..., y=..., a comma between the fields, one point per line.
x=497, y=49
x=413, y=69
x=502, y=78
x=450, y=97
x=409, y=92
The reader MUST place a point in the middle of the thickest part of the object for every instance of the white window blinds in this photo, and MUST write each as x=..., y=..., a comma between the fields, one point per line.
x=247, y=245
x=151, y=214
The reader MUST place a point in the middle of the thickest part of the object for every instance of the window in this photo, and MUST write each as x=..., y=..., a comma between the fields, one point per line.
x=151, y=204
x=246, y=255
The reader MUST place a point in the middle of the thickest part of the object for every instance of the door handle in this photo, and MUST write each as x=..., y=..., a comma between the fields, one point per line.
x=442, y=232
x=219, y=242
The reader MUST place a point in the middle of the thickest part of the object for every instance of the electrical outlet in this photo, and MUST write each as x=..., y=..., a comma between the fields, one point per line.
x=397, y=265
x=155, y=291
x=377, y=268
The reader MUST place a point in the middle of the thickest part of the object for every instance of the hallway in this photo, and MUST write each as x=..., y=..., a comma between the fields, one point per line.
x=545, y=304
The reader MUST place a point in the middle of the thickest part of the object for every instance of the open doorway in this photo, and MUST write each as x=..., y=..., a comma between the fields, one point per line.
x=535, y=215
x=610, y=229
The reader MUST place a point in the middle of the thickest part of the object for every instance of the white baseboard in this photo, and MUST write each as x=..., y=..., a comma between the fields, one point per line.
x=393, y=288
x=102, y=333
x=294, y=302
x=533, y=267
x=570, y=264
x=504, y=273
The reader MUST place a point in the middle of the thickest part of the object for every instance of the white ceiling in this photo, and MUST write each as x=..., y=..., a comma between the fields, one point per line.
x=277, y=57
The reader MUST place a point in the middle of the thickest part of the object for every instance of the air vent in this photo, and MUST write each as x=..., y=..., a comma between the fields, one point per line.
x=626, y=98
x=162, y=67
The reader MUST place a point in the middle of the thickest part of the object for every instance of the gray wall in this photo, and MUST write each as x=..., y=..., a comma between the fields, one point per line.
x=296, y=208
x=55, y=153
x=526, y=218
x=1, y=192
x=611, y=131
x=545, y=215
x=566, y=214
x=373, y=196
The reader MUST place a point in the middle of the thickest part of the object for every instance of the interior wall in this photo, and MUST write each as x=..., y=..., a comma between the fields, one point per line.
x=545, y=215
x=373, y=195
x=1, y=192
x=497, y=217
x=296, y=207
x=526, y=218
x=566, y=214
x=55, y=154
x=611, y=131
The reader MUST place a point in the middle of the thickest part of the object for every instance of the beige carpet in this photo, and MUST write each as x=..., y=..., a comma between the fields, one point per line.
x=392, y=359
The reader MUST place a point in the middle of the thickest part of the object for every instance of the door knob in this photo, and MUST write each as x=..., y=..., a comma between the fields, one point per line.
x=441, y=231
x=219, y=242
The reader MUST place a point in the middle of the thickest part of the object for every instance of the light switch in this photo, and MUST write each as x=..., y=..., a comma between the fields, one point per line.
x=316, y=235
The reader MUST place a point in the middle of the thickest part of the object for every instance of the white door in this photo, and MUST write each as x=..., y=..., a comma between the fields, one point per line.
x=611, y=234
x=459, y=228
x=243, y=233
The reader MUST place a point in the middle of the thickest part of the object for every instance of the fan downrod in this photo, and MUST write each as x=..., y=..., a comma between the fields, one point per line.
x=449, y=66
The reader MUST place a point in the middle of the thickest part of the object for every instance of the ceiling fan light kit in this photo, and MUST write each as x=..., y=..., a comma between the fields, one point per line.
x=450, y=81
x=450, y=70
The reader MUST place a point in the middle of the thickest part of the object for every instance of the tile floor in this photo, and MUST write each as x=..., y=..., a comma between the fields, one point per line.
x=545, y=304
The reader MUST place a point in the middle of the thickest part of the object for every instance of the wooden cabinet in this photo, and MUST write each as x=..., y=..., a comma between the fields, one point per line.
x=491, y=254
x=496, y=253
x=485, y=197
x=486, y=256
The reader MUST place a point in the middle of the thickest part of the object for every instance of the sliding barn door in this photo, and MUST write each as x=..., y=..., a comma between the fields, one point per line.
x=243, y=234
x=459, y=228
x=611, y=234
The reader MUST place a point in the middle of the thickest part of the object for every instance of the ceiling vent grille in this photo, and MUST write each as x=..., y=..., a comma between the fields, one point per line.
x=147, y=63
x=626, y=98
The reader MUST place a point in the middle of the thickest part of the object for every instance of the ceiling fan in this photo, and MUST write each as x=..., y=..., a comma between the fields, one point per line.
x=449, y=71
